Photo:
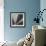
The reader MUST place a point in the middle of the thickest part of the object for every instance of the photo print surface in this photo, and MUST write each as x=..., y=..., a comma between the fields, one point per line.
x=17, y=19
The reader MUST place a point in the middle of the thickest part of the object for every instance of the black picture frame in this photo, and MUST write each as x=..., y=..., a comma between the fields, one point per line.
x=17, y=19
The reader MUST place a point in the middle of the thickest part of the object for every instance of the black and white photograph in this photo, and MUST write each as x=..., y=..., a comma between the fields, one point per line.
x=17, y=19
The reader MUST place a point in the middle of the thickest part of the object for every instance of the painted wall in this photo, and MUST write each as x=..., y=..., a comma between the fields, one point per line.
x=28, y=6
x=43, y=6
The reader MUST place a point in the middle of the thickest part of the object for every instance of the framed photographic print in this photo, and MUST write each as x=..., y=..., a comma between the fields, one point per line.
x=17, y=19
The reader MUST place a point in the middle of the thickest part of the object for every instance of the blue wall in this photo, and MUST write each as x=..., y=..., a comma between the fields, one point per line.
x=28, y=6
x=43, y=6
